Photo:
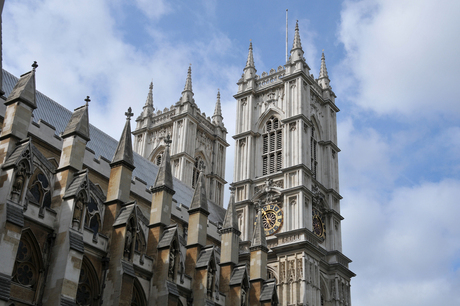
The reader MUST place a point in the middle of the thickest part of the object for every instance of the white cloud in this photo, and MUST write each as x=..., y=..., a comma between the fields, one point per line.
x=404, y=249
x=402, y=55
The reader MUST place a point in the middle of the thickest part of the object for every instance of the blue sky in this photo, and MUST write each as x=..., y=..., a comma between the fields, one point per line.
x=393, y=65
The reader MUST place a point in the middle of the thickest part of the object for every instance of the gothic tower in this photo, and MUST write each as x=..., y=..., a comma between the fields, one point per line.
x=195, y=139
x=286, y=160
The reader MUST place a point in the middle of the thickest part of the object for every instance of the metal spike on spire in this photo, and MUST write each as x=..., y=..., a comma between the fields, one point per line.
x=297, y=44
x=250, y=61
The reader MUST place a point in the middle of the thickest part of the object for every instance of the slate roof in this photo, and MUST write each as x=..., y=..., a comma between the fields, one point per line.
x=17, y=153
x=105, y=146
x=268, y=291
x=238, y=275
x=167, y=237
x=76, y=185
x=205, y=257
x=124, y=215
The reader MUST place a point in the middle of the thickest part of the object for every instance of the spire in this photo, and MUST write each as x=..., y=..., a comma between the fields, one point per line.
x=164, y=177
x=217, y=117
x=148, y=107
x=149, y=101
x=250, y=61
x=258, y=239
x=297, y=44
x=124, y=152
x=187, y=93
x=323, y=79
x=230, y=220
x=79, y=122
x=24, y=90
x=323, y=71
x=199, y=200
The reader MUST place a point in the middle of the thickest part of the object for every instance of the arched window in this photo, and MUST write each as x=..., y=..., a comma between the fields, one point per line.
x=313, y=149
x=138, y=298
x=27, y=264
x=272, y=155
x=159, y=158
x=39, y=190
x=88, y=285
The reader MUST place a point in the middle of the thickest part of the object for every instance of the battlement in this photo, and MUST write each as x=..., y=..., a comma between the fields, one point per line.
x=266, y=79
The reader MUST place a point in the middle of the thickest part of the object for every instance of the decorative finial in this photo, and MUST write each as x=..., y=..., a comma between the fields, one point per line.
x=168, y=140
x=323, y=50
x=151, y=85
x=34, y=65
x=87, y=100
x=129, y=114
x=232, y=189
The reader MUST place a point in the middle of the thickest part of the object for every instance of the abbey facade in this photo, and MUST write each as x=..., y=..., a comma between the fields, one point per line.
x=89, y=220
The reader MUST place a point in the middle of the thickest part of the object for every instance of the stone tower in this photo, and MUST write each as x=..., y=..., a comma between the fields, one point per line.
x=286, y=161
x=195, y=139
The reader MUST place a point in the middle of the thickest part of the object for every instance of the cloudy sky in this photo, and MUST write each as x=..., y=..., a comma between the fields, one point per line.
x=393, y=65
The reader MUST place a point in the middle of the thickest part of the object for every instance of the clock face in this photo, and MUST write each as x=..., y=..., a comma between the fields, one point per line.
x=319, y=227
x=272, y=218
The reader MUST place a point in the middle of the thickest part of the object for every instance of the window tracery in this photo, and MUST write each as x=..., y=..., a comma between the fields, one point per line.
x=159, y=158
x=272, y=146
x=40, y=191
x=88, y=285
x=138, y=298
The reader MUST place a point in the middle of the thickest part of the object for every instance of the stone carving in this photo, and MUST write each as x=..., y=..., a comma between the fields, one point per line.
x=77, y=214
x=19, y=181
x=243, y=296
x=299, y=268
x=210, y=281
x=282, y=271
x=128, y=241
x=244, y=101
x=292, y=126
x=172, y=263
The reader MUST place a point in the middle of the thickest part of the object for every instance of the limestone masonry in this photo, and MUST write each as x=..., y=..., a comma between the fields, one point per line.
x=87, y=220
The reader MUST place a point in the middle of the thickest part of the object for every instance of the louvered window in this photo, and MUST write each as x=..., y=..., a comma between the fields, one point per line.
x=272, y=146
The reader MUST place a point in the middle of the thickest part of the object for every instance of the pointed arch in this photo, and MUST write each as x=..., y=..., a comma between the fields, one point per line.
x=159, y=150
x=88, y=285
x=267, y=114
x=316, y=127
x=324, y=289
x=138, y=298
x=29, y=261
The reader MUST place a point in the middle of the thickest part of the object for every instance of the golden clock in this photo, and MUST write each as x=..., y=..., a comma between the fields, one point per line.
x=272, y=218
x=319, y=226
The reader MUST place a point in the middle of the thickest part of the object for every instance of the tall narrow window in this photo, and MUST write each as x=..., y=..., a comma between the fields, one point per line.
x=272, y=146
x=313, y=149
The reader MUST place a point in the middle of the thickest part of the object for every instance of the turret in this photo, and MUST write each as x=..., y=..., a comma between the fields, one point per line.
x=258, y=259
x=217, y=118
x=296, y=51
x=197, y=235
x=230, y=249
x=187, y=93
x=160, y=209
x=250, y=69
x=148, y=107
x=323, y=79
x=19, y=107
